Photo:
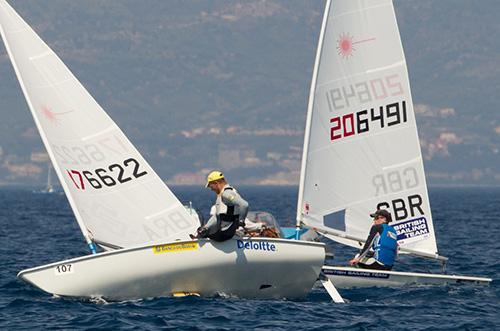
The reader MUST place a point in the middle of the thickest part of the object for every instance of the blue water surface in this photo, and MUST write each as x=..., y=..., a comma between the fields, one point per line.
x=37, y=228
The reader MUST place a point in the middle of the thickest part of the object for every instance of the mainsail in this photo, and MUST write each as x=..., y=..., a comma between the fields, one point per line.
x=117, y=198
x=361, y=148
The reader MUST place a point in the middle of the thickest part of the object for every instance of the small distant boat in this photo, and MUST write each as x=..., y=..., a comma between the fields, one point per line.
x=361, y=148
x=49, y=188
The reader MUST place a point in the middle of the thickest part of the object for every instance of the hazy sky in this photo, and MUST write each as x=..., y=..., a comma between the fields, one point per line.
x=191, y=81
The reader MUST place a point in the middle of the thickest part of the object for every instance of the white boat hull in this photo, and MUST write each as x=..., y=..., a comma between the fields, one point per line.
x=247, y=268
x=347, y=277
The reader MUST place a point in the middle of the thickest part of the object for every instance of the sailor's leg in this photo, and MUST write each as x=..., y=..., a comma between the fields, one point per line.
x=373, y=264
x=226, y=234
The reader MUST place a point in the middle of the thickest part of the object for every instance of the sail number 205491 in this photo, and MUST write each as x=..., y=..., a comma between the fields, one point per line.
x=361, y=121
x=106, y=177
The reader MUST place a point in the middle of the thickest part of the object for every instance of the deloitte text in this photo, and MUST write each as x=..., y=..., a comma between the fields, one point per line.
x=256, y=245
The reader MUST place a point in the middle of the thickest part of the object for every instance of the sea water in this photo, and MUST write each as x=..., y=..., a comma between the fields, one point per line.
x=40, y=228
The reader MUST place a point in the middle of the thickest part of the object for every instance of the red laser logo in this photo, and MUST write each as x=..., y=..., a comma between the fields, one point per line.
x=346, y=45
x=50, y=115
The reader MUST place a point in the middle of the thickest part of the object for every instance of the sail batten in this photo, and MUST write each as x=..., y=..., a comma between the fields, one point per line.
x=361, y=148
x=111, y=188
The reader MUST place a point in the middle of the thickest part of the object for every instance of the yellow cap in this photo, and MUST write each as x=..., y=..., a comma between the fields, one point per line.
x=213, y=176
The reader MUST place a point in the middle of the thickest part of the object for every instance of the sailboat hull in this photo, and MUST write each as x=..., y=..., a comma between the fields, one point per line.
x=247, y=268
x=347, y=277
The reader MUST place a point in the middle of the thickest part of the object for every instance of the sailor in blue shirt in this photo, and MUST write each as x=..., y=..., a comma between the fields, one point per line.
x=383, y=241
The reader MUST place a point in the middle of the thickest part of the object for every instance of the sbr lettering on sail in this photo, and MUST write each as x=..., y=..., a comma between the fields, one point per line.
x=404, y=207
x=256, y=245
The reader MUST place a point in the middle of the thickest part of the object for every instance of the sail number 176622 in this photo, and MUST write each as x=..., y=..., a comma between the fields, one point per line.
x=106, y=177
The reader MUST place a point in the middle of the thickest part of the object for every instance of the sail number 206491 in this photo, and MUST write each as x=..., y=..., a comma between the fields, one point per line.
x=361, y=121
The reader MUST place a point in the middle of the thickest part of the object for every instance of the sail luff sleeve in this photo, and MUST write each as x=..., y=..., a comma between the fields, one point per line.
x=310, y=107
x=7, y=9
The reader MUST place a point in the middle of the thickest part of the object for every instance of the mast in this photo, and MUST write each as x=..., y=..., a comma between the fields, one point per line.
x=310, y=107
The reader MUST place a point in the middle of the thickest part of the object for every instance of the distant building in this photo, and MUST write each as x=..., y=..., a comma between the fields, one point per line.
x=188, y=178
x=229, y=158
x=39, y=157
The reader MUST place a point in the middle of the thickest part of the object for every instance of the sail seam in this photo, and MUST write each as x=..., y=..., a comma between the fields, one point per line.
x=100, y=133
x=359, y=11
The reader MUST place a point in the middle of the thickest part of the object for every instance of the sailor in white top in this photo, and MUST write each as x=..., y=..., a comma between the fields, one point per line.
x=230, y=210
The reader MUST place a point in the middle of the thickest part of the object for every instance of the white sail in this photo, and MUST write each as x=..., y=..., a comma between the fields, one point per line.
x=116, y=196
x=361, y=148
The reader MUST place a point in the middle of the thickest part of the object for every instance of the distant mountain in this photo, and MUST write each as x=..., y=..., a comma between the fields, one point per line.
x=199, y=85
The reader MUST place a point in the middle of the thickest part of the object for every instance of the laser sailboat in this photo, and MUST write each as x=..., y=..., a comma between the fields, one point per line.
x=122, y=206
x=361, y=148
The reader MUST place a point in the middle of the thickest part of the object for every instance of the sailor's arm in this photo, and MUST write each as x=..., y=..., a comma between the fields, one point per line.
x=368, y=243
x=211, y=225
x=232, y=198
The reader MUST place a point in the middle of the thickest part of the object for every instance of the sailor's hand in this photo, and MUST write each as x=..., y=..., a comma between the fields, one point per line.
x=201, y=232
x=354, y=261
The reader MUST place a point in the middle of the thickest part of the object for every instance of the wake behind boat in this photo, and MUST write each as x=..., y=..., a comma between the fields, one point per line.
x=361, y=149
x=124, y=207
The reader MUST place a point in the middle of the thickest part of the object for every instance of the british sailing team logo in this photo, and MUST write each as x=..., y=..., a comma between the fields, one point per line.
x=346, y=45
